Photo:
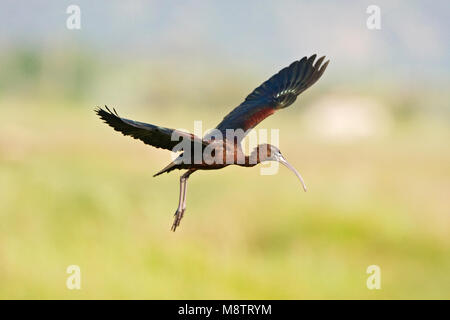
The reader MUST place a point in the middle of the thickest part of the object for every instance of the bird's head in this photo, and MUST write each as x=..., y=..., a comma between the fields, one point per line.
x=268, y=152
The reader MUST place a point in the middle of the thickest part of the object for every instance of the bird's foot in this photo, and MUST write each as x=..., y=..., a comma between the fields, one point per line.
x=178, y=216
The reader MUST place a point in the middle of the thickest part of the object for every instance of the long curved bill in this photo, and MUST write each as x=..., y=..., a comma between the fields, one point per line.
x=288, y=165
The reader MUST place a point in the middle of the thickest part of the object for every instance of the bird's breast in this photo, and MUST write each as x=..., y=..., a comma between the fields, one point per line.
x=258, y=116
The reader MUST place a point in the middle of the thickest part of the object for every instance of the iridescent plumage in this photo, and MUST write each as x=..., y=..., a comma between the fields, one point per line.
x=278, y=92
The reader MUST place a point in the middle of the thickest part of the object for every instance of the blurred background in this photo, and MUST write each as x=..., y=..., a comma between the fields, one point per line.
x=371, y=139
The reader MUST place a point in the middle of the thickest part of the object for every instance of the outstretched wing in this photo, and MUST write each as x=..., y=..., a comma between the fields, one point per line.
x=279, y=92
x=155, y=136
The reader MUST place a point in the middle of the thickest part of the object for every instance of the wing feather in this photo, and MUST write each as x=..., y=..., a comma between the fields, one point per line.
x=150, y=134
x=278, y=92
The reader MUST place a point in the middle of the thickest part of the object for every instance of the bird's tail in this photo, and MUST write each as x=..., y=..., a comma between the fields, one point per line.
x=171, y=166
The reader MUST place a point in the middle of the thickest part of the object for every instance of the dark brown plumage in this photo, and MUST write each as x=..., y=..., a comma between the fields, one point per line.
x=279, y=92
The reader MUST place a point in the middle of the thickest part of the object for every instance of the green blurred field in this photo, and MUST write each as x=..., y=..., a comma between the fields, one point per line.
x=72, y=191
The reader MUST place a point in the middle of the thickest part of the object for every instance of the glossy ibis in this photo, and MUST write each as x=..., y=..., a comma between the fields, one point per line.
x=279, y=92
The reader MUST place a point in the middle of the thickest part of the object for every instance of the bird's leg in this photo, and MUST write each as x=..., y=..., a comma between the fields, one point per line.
x=183, y=208
x=182, y=200
x=178, y=213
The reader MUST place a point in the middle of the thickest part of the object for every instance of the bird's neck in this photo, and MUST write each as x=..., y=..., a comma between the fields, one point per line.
x=252, y=159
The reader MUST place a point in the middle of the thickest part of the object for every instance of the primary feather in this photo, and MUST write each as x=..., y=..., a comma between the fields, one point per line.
x=279, y=92
x=150, y=134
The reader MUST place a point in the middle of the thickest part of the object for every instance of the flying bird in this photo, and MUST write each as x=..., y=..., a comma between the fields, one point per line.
x=279, y=92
